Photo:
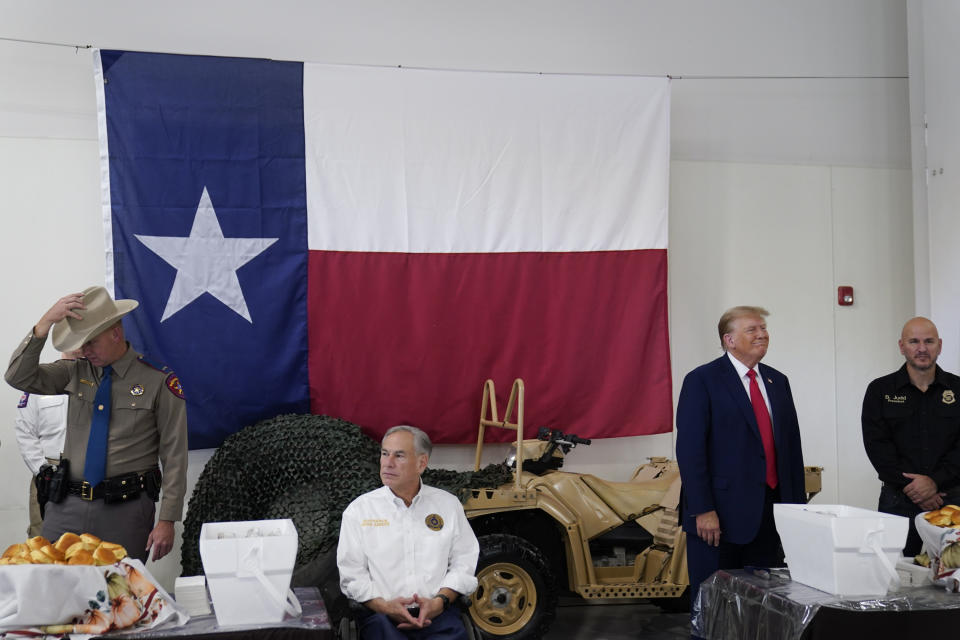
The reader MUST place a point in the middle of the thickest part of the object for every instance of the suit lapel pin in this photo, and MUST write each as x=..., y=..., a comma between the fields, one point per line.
x=769, y=381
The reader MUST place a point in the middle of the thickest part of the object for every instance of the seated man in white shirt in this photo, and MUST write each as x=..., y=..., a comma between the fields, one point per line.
x=406, y=550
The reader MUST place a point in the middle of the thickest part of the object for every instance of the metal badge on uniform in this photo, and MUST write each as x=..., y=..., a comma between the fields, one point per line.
x=136, y=390
x=948, y=397
x=434, y=522
x=23, y=401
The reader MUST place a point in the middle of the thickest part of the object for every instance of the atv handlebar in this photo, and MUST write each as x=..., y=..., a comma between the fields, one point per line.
x=558, y=437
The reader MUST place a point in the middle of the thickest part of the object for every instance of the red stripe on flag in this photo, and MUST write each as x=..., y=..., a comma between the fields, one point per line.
x=410, y=338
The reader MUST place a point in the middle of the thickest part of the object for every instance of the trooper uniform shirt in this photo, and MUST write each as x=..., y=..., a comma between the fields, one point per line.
x=39, y=427
x=389, y=550
x=908, y=430
x=148, y=419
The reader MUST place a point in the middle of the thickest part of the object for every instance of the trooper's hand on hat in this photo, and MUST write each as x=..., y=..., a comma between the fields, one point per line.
x=71, y=330
x=63, y=308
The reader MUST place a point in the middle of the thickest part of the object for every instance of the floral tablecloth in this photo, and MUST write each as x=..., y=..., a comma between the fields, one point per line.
x=81, y=601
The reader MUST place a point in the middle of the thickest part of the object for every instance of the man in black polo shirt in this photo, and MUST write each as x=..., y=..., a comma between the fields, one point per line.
x=911, y=430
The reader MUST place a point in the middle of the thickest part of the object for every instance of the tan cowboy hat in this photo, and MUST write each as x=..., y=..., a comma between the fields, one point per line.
x=101, y=312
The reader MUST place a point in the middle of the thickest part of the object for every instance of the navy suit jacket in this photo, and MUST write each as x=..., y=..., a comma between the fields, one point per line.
x=720, y=452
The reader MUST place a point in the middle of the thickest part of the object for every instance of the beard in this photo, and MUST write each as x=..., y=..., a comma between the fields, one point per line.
x=923, y=365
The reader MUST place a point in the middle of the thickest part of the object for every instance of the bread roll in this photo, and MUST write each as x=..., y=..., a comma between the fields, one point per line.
x=89, y=537
x=117, y=550
x=37, y=542
x=39, y=557
x=81, y=557
x=66, y=541
x=70, y=549
x=80, y=546
x=53, y=553
x=103, y=556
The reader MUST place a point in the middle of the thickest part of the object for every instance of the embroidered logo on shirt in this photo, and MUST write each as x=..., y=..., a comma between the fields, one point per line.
x=136, y=390
x=434, y=522
x=173, y=383
x=375, y=522
x=948, y=397
x=903, y=399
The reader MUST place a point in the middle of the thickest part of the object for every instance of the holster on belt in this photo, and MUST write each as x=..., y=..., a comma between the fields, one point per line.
x=51, y=482
x=151, y=484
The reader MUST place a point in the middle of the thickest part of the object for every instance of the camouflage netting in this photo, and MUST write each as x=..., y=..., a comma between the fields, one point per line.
x=303, y=467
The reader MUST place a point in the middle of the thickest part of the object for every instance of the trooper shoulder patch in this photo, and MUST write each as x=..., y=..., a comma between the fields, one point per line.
x=23, y=401
x=434, y=522
x=173, y=383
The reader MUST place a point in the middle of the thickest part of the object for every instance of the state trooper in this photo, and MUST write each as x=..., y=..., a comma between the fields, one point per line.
x=124, y=415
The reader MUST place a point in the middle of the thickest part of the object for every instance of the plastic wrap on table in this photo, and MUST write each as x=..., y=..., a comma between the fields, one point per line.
x=314, y=616
x=767, y=605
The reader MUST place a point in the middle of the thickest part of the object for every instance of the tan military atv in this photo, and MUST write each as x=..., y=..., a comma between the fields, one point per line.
x=603, y=540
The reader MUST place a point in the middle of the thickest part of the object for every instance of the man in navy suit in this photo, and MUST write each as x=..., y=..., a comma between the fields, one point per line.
x=738, y=446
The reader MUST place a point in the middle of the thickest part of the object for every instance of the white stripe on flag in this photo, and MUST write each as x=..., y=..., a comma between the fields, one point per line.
x=402, y=160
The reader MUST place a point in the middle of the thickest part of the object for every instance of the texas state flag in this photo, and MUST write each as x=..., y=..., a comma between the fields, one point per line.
x=374, y=243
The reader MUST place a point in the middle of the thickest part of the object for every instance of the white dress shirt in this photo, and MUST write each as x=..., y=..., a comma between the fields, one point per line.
x=742, y=370
x=389, y=550
x=40, y=428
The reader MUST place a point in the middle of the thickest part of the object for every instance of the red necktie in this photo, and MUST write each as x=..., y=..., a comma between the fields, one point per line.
x=766, y=428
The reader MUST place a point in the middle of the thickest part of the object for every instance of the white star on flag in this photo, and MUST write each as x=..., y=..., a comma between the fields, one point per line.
x=206, y=262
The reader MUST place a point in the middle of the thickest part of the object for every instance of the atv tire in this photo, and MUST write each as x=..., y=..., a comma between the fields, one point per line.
x=516, y=598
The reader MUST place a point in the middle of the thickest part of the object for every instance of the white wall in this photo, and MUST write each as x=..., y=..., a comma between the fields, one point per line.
x=48, y=195
x=935, y=25
x=790, y=172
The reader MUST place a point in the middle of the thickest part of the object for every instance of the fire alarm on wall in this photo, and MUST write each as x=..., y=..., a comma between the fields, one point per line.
x=845, y=296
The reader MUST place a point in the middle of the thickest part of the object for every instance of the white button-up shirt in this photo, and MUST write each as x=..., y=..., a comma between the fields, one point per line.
x=742, y=371
x=389, y=550
x=40, y=428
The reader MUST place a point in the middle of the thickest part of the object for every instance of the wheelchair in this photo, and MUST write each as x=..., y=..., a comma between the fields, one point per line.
x=349, y=629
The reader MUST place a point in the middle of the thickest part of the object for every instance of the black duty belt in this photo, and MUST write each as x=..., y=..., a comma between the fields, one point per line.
x=122, y=487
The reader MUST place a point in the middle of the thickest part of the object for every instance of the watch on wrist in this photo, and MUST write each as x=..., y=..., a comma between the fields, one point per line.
x=445, y=600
